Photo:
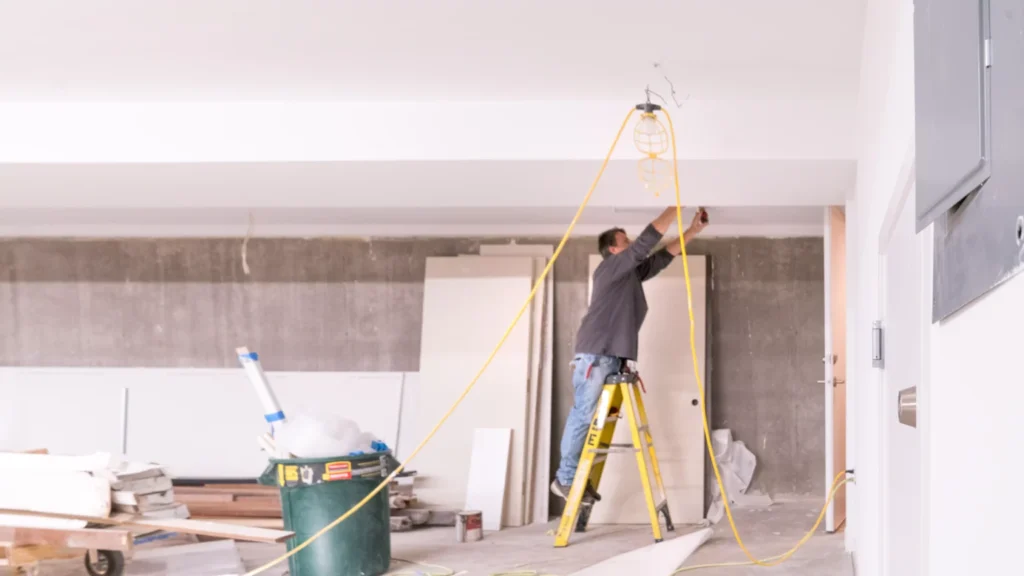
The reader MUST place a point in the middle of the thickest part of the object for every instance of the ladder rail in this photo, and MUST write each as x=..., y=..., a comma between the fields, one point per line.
x=620, y=400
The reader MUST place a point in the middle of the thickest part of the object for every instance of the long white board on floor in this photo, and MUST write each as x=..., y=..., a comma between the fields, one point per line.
x=488, y=474
x=673, y=410
x=468, y=303
x=541, y=363
x=195, y=422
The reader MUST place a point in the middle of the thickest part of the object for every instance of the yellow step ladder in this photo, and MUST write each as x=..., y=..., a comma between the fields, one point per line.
x=619, y=396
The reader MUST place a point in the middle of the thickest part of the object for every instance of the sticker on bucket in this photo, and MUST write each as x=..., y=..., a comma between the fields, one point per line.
x=291, y=475
x=337, y=471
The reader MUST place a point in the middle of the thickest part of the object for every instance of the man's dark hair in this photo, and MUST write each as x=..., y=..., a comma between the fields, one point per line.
x=607, y=240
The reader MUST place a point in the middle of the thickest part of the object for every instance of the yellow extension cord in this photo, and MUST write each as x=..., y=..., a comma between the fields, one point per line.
x=540, y=282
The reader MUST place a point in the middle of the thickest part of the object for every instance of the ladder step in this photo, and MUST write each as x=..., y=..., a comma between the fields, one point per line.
x=615, y=450
x=601, y=458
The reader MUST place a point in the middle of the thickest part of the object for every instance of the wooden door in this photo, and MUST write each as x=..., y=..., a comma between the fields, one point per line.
x=835, y=360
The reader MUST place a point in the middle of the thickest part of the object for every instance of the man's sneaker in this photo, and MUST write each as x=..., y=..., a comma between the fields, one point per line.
x=562, y=491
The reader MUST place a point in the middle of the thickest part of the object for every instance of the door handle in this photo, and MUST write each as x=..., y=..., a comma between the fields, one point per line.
x=906, y=407
x=834, y=382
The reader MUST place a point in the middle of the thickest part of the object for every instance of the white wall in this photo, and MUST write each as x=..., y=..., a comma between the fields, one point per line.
x=976, y=436
x=970, y=389
x=885, y=129
x=197, y=422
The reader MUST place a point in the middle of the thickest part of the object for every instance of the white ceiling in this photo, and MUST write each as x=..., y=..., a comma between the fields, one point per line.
x=426, y=50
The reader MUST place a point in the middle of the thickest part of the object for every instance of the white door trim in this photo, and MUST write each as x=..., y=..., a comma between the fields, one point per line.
x=902, y=191
x=830, y=513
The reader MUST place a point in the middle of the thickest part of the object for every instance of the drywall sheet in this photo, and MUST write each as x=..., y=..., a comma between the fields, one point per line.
x=661, y=559
x=195, y=422
x=488, y=474
x=468, y=303
x=40, y=406
x=541, y=367
x=672, y=402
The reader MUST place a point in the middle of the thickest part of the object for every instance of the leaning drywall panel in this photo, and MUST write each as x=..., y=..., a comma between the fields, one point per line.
x=672, y=402
x=542, y=465
x=468, y=302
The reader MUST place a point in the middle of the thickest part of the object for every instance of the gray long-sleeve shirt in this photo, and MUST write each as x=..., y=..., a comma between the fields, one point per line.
x=618, y=306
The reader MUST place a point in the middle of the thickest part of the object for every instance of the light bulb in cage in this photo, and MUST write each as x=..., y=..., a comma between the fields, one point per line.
x=655, y=174
x=650, y=136
x=652, y=140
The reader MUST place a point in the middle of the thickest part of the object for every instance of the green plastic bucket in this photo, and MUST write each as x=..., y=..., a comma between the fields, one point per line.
x=314, y=492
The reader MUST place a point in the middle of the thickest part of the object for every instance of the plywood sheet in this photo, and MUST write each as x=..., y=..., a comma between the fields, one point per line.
x=468, y=303
x=488, y=474
x=671, y=400
x=541, y=458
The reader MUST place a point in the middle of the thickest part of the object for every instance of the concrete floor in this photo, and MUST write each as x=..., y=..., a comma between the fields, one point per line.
x=766, y=532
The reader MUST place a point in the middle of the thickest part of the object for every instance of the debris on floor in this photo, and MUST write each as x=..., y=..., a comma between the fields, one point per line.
x=661, y=559
x=736, y=463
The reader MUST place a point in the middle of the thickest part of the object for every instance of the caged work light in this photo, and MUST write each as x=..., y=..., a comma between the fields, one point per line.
x=652, y=140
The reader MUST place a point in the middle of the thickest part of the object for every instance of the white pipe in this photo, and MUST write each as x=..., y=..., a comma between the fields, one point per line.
x=272, y=412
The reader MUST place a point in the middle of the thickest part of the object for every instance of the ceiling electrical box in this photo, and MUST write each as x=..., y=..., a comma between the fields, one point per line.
x=969, y=102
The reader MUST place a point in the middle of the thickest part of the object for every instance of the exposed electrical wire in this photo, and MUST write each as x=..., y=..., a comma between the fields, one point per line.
x=245, y=244
x=671, y=87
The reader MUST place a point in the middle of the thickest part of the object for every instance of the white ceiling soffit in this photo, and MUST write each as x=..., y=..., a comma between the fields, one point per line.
x=448, y=185
x=778, y=221
x=413, y=50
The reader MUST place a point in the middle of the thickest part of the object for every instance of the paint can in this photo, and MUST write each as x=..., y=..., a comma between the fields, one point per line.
x=469, y=526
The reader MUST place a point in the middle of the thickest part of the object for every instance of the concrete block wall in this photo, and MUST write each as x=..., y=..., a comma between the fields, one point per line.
x=356, y=305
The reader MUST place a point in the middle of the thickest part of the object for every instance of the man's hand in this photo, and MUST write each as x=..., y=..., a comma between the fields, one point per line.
x=699, y=223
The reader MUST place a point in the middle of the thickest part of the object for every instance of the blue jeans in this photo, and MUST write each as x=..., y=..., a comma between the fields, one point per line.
x=588, y=380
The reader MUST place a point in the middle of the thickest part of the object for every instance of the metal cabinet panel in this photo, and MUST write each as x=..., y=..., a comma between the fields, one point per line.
x=952, y=103
x=979, y=244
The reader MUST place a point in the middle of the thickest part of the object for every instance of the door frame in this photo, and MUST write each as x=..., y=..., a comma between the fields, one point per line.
x=904, y=188
x=830, y=424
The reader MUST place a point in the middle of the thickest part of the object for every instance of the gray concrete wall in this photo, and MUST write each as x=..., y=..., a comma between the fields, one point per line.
x=343, y=304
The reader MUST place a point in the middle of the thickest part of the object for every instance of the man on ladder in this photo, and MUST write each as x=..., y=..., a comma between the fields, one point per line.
x=608, y=335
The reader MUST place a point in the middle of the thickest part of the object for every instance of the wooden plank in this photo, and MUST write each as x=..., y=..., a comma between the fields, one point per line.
x=275, y=523
x=488, y=474
x=229, y=489
x=198, y=527
x=252, y=508
x=541, y=458
x=468, y=304
x=666, y=367
x=82, y=538
x=192, y=499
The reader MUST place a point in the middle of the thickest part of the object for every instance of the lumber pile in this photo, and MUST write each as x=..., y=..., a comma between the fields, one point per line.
x=257, y=504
